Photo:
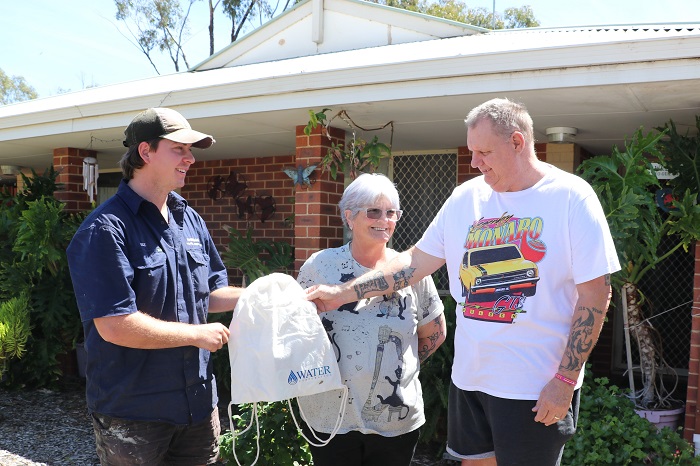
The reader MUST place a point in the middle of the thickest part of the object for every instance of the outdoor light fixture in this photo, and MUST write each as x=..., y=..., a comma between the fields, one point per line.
x=559, y=134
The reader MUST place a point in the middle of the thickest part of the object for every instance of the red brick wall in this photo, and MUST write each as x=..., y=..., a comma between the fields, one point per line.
x=317, y=221
x=692, y=416
x=306, y=216
x=68, y=161
x=264, y=177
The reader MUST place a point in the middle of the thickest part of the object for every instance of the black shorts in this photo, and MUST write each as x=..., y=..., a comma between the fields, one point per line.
x=483, y=426
x=358, y=449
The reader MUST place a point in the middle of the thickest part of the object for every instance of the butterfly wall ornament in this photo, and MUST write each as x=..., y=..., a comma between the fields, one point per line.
x=267, y=207
x=300, y=175
x=234, y=185
x=246, y=206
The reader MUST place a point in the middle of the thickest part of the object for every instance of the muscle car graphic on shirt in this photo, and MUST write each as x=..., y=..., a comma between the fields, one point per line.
x=489, y=272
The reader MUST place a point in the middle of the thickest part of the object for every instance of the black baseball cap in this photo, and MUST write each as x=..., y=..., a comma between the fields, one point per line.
x=164, y=123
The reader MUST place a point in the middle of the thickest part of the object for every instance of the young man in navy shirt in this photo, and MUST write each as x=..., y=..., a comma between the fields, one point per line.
x=146, y=274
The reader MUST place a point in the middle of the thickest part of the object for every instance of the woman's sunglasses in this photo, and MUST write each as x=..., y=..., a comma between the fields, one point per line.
x=375, y=214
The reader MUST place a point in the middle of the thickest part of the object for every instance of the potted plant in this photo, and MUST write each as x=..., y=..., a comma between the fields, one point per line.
x=626, y=183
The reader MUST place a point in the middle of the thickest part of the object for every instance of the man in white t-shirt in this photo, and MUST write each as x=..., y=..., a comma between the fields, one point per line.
x=529, y=256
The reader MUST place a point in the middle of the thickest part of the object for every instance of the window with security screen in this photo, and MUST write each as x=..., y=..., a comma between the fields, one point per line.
x=424, y=182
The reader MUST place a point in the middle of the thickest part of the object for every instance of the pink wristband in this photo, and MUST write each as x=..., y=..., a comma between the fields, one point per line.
x=564, y=379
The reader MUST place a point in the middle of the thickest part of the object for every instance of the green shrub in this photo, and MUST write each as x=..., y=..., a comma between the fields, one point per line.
x=610, y=432
x=14, y=329
x=280, y=441
x=34, y=234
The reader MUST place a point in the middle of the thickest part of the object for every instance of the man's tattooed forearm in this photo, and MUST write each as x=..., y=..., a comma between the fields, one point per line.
x=581, y=340
x=402, y=278
x=375, y=282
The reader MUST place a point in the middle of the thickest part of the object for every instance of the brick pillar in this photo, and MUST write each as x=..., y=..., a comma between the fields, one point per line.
x=692, y=406
x=317, y=222
x=68, y=162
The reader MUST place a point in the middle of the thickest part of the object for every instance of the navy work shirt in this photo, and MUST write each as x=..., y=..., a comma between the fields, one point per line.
x=125, y=258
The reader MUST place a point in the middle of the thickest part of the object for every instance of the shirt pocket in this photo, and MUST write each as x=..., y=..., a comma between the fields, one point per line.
x=198, y=262
x=150, y=272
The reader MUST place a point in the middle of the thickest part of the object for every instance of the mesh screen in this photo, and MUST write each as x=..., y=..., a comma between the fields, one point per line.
x=424, y=182
x=668, y=290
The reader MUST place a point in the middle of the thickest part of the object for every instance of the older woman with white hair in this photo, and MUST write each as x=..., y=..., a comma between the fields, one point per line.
x=379, y=342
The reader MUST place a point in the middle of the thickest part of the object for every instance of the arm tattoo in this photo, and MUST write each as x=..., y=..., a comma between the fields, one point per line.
x=375, y=282
x=581, y=340
x=428, y=343
x=402, y=278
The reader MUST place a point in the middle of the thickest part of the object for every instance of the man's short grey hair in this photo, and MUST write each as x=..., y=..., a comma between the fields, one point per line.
x=507, y=116
x=365, y=191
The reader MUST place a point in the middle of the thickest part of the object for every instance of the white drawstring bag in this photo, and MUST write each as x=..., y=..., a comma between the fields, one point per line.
x=279, y=350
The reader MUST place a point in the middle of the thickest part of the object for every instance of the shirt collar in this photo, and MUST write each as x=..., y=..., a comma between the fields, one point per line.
x=134, y=201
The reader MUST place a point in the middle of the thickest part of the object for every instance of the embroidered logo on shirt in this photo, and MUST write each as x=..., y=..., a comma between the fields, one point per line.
x=194, y=242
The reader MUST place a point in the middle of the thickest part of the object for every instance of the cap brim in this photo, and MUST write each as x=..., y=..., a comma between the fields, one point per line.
x=190, y=136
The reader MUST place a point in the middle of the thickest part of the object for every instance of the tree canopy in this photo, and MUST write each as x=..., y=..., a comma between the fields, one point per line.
x=15, y=89
x=457, y=10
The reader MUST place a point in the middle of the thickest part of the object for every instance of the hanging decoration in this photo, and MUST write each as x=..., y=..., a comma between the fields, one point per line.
x=233, y=186
x=248, y=204
x=90, y=175
x=267, y=207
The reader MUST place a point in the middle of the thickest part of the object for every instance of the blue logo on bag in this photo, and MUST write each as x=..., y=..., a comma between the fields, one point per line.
x=308, y=374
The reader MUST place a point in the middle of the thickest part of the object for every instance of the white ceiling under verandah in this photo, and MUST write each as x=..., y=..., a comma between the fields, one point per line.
x=382, y=64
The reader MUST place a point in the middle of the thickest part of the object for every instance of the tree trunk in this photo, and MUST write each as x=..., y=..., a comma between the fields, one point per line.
x=643, y=335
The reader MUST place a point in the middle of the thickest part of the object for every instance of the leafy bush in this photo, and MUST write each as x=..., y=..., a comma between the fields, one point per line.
x=610, y=432
x=34, y=234
x=14, y=329
x=280, y=442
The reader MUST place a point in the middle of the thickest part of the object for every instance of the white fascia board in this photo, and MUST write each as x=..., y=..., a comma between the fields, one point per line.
x=307, y=78
x=320, y=96
x=393, y=69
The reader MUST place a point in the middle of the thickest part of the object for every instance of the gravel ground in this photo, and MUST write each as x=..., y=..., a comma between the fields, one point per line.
x=52, y=427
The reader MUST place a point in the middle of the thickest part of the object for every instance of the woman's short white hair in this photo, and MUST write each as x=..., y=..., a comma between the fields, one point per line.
x=365, y=191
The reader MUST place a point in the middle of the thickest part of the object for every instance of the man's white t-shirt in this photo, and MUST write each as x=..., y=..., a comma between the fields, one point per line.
x=514, y=260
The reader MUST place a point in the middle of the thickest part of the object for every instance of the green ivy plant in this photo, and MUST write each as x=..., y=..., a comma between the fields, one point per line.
x=361, y=155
